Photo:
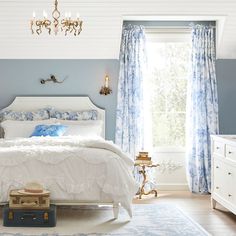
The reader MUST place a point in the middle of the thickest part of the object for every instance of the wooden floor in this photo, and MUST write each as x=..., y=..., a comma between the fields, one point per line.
x=217, y=222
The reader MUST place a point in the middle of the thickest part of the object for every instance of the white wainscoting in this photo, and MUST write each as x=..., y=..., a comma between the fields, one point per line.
x=171, y=175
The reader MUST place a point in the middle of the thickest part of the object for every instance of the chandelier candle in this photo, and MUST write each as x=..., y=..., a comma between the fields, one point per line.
x=68, y=25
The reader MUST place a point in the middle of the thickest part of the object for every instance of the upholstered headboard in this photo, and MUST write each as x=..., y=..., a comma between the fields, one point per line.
x=60, y=103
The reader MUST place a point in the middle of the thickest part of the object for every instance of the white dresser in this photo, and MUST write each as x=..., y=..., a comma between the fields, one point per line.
x=223, y=151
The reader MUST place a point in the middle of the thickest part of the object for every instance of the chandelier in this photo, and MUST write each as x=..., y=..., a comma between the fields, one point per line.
x=66, y=25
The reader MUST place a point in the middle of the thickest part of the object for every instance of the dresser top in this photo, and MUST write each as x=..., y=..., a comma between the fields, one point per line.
x=230, y=139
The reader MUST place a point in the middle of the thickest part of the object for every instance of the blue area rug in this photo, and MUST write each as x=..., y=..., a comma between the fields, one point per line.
x=148, y=220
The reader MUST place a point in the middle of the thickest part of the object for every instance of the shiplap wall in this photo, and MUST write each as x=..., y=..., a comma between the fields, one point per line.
x=103, y=19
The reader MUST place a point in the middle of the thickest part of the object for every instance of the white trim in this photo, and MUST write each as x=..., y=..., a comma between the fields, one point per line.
x=168, y=35
x=62, y=103
x=167, y=29
x=159, y=150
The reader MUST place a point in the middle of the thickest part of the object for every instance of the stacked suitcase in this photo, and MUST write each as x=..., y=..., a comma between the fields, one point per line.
x=29, y=210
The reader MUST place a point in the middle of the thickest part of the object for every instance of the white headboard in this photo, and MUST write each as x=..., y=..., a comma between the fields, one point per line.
x=61, y=103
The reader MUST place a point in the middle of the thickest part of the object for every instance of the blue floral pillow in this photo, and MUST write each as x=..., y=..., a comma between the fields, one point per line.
x=73, y=115
x=41, y=114
x=49, y=130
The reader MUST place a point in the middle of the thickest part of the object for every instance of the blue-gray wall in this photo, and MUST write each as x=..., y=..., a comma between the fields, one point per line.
x=226, y=81
x=21, y=77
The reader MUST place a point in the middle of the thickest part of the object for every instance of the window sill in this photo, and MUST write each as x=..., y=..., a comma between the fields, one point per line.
x=169, y=150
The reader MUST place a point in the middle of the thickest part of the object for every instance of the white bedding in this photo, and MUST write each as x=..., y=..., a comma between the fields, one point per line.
x=72, y=168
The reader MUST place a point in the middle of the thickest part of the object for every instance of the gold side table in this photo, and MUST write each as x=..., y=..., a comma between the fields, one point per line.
x=142, y=171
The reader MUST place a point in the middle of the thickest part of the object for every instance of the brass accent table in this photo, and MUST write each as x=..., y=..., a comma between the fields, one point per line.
x=143, y=167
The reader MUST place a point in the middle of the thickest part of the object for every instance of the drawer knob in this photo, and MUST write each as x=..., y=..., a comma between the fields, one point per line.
x=230, y=152
x=217, y=167
x=217, y=187
x=217, y=147
x=229, y=173
x=229, y=195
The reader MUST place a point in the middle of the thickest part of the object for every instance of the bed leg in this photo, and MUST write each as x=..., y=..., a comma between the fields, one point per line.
x=116, y=210
x=213, y=203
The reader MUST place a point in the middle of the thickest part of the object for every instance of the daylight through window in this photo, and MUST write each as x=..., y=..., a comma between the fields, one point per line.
x=166, y=88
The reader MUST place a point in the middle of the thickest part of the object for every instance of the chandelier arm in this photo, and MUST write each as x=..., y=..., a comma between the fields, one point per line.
x=31, y=26
x=39, y=30
x=48, y=28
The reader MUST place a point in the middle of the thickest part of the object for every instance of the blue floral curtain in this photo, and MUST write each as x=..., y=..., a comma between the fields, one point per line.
x=129, y=116
x=202, y=109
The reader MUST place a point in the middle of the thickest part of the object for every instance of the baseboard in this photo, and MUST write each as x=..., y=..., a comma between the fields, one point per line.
x=173, y=187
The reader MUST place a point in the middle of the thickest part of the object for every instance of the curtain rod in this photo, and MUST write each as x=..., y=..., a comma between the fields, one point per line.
x=170, y=27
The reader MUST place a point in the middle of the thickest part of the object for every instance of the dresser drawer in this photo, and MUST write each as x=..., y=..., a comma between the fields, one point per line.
x=219, y=178
x=219, y=148
x=224, y=180
x=230, y=152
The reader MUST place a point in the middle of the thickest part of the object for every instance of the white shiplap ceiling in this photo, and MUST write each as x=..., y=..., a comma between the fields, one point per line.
x=100, y=38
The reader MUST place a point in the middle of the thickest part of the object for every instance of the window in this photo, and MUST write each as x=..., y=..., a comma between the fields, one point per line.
x=166, y=87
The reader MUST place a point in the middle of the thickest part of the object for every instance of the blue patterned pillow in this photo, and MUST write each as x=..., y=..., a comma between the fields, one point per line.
x=49, y=130
x=73, y=115
x=41, y=114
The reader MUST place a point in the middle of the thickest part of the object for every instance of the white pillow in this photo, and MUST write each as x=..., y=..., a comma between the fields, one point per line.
x=22, y=129
x=85, y=128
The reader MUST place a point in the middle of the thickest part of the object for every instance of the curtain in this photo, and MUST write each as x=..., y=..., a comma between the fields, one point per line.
x=129, y=114
x=202, y=109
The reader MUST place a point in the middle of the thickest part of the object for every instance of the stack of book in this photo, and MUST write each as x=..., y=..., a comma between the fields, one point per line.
x=143, y=158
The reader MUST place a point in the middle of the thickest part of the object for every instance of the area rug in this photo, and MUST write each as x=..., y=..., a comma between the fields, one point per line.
x=147, y=220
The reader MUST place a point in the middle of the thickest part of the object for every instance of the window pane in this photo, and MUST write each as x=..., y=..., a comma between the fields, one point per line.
x=176, y=101
x=166, y=88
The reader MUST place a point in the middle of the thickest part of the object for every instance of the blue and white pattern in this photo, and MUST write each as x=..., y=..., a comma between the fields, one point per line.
x=41, y=114
x=129, y=115
x=202, y=109
x=73, y=115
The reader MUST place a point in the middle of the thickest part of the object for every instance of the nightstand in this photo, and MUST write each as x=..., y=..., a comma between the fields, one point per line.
x=142, y=165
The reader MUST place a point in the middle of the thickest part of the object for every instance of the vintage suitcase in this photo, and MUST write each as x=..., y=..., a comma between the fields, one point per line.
x=18, y=200
x=29, y=218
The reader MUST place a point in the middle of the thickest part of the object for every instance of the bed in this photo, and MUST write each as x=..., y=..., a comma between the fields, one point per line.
x=78, y=170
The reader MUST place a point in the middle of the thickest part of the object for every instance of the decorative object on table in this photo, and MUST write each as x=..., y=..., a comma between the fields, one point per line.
x=142, y=164
x=68, y=25
x=105, y=90
x=52, y=79
x=29, y=217
x=143, y=156
x=33, y=196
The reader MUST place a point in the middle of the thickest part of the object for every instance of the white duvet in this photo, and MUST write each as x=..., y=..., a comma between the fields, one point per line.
x=72, y=168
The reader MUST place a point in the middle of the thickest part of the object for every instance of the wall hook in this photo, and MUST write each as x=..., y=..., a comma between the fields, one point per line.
x=52, y=79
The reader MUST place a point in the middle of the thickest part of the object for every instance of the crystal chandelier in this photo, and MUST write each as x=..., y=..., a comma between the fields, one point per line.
x=66, y=25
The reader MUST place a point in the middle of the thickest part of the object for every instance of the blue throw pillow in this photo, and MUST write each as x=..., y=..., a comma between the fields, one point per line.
x=49, y=130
